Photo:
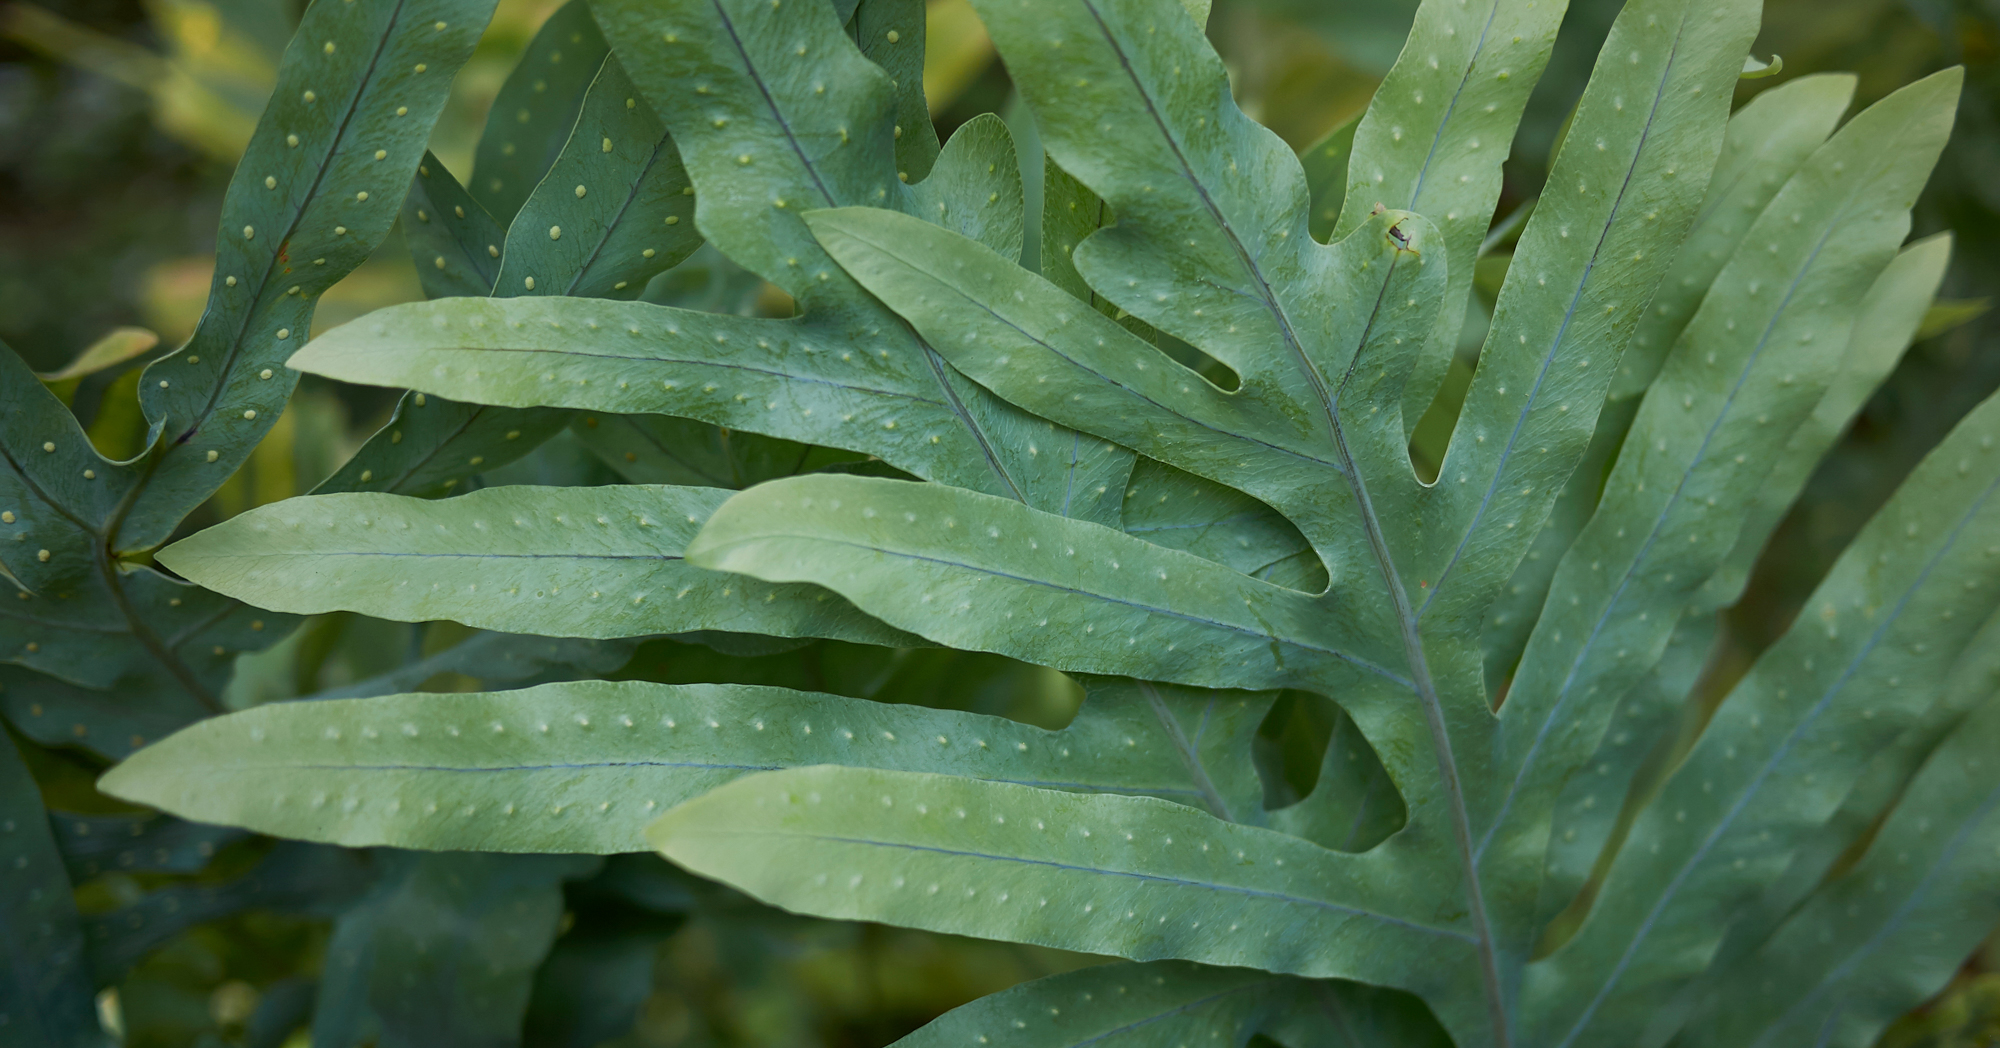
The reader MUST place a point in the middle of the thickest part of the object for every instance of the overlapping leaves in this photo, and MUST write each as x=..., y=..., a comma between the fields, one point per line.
x=1091, y=504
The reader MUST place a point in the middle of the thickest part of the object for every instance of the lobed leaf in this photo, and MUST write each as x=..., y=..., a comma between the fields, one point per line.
x=1788, y=743
x=1598, y=243
x=1126, y=876
x=1748, y=369
x=1118, y=1005
x=1890, y=317
x=316, y=191
x=1325, y=163
x=584, y=766
x=1433, y=139
x=1168, y=507
x=601, y=562
x=79, y=615
x=990, y=574
x=1584, y=813
x=1891, y=932
x=1765, y=142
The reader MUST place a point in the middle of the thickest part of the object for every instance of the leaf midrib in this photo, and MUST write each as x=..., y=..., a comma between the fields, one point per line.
x=1353, y=660
x=951, y=400
x=1406, y=619
x=1562, y=331
x=1640, y=561
x=1152, y=878
x=1770, y=765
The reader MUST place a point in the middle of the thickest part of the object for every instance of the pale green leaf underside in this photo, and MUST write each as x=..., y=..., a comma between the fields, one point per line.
x=976, y=571
x=1127, y=876
x=1792, y=738
x=584, y=766
x=562, y=562
x=1164, y=1004
x=1747, y=370
x=1889, y=933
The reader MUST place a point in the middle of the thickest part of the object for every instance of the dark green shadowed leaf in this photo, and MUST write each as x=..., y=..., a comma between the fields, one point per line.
x=1123, y=1005
x=443, y=951
x=493, y=658
x=532, y=115
x=103, y=721
x=46, y=994
x=454, y=243
x=601, y=562
x=92, y=845
x=615, y=209
x=1339, y=1014
x=75, y=614
x=662, y=449
x=430, y=445
x=599, y=974
x=584, y=766
x=296, y=878
x=317, y=189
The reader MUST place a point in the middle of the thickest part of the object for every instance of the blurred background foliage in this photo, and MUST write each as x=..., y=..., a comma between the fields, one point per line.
x=120, y=122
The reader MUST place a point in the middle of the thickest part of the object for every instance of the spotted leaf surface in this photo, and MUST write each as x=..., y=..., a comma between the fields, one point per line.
x=585, y=562
x=74, y=613
x=97, y=844
x=1745, y=373
x=1791, y=739
x=788, y=379
x=535, y=110
x=1889, y=933
x=988, y=571
x=317, y=189
x=1428, y=143
x=1131, y=877
x=47, y=994
x=585, y=766
x=431, y=444
x=454, y=243
x=638, y=222
x=1765, y=142
x=1162, y=1004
